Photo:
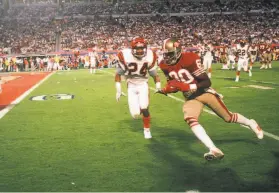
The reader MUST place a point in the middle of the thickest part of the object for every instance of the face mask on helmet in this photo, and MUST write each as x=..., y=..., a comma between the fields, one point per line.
x=170, y=57
x=171, y=51
x=139, y=47
x=139, y=51
x=242, y=44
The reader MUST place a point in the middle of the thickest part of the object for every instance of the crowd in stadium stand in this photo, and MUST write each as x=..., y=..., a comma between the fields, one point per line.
x=29, y=29
x=166, y=6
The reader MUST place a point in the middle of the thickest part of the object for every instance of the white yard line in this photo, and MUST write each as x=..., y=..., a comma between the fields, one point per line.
x=4, y=111
x=208, y=111
x=256, y=81
x=259, y=87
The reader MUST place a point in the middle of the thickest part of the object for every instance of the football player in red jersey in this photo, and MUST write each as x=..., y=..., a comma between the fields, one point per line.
x=268, y=56
x=184, y=73
x=262, y=53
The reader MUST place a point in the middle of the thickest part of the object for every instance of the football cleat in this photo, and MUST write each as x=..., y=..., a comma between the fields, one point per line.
x=214, y=154
x=256, y=128
x=147, y=134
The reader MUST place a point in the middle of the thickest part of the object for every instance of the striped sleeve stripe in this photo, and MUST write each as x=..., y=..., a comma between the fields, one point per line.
x=198, y=72
x=122, y=63
x=122, y=66
x=153, y=62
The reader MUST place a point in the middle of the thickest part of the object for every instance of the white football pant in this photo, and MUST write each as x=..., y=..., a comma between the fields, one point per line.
x=207, y=61
x=55, y=66
x=242, y=63
x=92, y=63
x=232, y=59
x=253, y=58
x=138, y=98
x=49, y=66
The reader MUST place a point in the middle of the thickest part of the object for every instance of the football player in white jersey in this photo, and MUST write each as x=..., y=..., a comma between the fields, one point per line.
x=253, y=51
x=207, y=58
x=231, y=57
x=93, y=57
x=242, y=54
x=134, y=63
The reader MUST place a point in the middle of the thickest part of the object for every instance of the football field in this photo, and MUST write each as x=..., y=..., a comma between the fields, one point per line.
x=89, y=142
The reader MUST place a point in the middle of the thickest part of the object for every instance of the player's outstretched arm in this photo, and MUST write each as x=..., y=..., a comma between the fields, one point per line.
x=156, y=79
x=118, y=86
x=117, y=79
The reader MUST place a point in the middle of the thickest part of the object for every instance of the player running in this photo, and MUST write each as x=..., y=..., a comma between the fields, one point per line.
x=184, y=73
x=135, y=64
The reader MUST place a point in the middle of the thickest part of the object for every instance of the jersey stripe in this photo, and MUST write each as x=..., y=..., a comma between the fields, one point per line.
x=153, y=62
x=122, y=63
x=198, y=72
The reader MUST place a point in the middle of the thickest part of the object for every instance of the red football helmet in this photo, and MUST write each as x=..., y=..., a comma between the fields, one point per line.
x=139, y=47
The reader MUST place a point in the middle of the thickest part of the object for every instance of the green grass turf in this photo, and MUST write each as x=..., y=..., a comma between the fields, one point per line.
x=91, y=143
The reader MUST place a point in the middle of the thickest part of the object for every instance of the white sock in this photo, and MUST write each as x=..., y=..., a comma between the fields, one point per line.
x=238, y=118
x=200, y=133
x=91, y=70
x=146, y=129
x=94, y=70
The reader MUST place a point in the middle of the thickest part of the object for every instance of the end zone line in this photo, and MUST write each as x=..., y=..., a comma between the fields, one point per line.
x=208, y=111
x=4, y=111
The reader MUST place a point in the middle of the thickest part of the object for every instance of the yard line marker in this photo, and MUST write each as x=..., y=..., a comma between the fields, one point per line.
x=209, y=111
x=4, y=111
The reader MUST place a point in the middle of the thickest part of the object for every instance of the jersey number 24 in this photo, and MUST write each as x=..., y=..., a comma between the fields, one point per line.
x=133, y=69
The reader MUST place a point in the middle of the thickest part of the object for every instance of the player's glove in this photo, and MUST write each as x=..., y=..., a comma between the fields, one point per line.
x=181, y=86
x=158, y=86
x=161, y=92
x=118, y=91
x=167, y=89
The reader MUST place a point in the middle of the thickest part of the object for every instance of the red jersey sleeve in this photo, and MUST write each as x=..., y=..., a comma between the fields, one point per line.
x=194, y=65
